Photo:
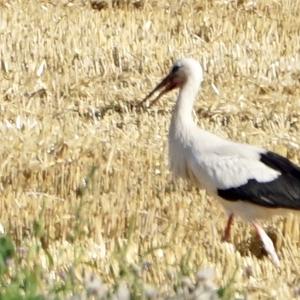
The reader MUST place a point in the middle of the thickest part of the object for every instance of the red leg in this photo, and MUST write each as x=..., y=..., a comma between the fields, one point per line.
x=226, y=236
x=268, y=244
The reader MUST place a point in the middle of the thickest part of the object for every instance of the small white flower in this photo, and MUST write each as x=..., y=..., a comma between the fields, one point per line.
x=2, y=230
x=122, y=292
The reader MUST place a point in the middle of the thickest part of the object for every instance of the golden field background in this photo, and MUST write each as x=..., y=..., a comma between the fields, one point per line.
x=85, y=177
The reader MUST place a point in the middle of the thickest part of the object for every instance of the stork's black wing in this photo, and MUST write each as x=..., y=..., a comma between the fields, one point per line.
x=282, y=192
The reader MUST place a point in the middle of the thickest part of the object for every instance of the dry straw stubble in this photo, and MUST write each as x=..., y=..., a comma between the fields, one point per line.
x=68, y=75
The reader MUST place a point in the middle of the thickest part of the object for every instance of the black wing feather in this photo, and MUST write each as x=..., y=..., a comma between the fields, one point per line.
x=283, y=192
x=280, y=163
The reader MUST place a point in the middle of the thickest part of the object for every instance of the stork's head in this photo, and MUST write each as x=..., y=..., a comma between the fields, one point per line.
x=184, y=71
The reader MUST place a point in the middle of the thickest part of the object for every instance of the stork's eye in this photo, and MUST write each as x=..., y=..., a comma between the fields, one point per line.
x=175, y=69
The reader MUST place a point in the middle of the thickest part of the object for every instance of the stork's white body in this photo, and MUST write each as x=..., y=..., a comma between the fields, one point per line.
x=250, y=181
x=215, y=162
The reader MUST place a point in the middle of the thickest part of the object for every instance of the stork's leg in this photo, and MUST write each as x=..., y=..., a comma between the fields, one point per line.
x=226, y=236
x=268, y=244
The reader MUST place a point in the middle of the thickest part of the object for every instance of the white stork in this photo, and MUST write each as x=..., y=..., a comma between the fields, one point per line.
x=249, y=181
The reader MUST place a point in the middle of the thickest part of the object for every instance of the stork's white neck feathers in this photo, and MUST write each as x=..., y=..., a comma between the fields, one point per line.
x=182, y=117
x=186, y=98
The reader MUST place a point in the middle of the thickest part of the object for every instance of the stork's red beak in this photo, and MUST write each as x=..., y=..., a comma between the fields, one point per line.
x=166, y=85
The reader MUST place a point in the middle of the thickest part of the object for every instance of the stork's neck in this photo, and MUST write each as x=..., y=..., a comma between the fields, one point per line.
x=183, y=112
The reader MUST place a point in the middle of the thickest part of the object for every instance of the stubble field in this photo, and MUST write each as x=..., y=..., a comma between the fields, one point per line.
x=85, y=190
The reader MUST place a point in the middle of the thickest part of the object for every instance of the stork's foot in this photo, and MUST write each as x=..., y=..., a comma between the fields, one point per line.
x=226, y=236
x=268, y=244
